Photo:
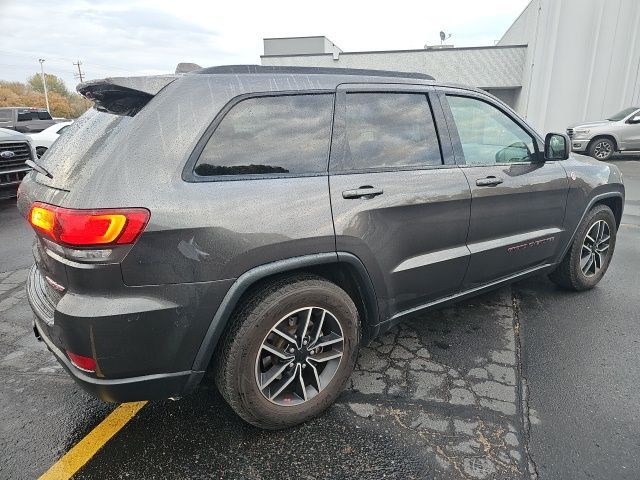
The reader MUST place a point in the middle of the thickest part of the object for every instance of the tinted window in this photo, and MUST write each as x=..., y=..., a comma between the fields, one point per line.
x=620, y=115
x=284, y=134
x=42, y=115
x=24, y=116
x=488, y=136
x=389, y=130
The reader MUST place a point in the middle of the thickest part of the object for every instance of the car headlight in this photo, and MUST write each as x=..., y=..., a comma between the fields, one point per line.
x=580, y=132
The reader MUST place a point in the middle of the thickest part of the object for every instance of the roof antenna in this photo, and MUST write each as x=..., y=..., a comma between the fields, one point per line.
x=443, y=37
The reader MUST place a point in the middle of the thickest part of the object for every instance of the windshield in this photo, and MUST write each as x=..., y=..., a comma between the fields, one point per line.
x=620, y=115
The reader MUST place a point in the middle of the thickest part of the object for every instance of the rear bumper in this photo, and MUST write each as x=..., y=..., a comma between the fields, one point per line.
x=147, y=387
x=141, y=355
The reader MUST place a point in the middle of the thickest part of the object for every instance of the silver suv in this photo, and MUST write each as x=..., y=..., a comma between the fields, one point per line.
x=619, y=133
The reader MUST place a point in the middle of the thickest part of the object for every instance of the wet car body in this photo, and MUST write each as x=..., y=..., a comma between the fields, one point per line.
x=151, y=313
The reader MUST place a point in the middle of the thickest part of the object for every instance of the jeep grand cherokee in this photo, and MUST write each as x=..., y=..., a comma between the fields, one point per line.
x=264, y=222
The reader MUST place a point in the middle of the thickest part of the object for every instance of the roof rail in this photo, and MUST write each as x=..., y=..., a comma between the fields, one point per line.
x=311, y=71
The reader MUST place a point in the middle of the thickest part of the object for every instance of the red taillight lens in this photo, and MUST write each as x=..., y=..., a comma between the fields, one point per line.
x=87, y=364
x=88, y=228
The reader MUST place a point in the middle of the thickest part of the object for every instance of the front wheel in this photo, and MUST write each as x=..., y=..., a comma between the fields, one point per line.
x=289, y=351
x=602, y=149
x=590, y=254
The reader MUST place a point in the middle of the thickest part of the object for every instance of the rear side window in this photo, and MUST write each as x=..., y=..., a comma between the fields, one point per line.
x=389, y=130
x=24, y=116
x=271, y=135
x=43, y=115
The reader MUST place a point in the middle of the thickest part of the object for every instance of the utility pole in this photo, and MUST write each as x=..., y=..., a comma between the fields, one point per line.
x=44, y=82
x=79, y=75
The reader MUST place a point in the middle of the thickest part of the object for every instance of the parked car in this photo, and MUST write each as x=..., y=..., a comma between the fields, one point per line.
x=265, y=222
x=15, y=150
x=602, y=139
x=25, y=119
x=43, y=140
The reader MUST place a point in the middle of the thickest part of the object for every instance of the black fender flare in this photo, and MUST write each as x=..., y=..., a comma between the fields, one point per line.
x=595, y=199
x=249, y=278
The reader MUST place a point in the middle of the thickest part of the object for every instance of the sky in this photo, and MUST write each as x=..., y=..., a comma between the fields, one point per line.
x=141, y=37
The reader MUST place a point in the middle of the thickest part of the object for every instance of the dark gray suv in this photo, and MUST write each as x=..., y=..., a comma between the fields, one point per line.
x=264, y=222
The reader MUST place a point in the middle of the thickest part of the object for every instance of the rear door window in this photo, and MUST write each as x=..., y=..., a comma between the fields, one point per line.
x=278, y=135
x=389, y=130
x=25, y=116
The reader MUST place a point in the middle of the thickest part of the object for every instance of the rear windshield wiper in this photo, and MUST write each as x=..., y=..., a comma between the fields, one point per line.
x=38, y=168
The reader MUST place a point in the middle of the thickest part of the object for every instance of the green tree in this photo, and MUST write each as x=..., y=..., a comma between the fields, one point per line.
x=54, y=84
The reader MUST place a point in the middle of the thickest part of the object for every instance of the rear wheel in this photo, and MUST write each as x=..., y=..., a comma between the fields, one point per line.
x=587, y=260
x=602, y=148
x=290, y=349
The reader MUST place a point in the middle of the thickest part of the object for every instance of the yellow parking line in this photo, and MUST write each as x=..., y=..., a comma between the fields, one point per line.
x=81, y=453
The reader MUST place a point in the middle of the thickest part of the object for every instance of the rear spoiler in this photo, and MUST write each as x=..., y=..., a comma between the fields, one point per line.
x=123, y=95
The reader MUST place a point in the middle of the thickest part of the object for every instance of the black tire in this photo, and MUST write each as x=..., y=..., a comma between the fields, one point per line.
x=235, y=360
x=569, y=273
x=602, y=148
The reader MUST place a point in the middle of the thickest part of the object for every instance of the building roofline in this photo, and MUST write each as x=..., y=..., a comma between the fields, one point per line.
x=287, y=38
x=368, y=52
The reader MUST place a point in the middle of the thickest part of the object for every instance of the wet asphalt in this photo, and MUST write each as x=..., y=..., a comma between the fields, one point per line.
x=528, y=380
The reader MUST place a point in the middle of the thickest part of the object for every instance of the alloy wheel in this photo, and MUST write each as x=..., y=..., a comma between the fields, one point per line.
x=595, y=248
x=603, y=149
x=299, y=356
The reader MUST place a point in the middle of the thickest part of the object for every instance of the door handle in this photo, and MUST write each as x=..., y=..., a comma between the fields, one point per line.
x=489, y=181
x=366, y=191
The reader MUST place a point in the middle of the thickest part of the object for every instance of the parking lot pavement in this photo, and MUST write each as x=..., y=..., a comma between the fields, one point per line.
x=43, y=412
x=438, y=395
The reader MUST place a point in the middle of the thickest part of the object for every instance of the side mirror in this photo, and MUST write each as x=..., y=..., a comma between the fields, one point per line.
x=635, y=119
x=557, y=146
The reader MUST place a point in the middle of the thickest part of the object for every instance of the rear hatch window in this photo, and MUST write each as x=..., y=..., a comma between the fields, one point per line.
x=83, y=141
x=101, y=134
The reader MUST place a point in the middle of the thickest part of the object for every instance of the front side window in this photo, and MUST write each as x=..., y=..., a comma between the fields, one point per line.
x=42, y=115
x=389, y=130
x=487, y=135
x=271, y=135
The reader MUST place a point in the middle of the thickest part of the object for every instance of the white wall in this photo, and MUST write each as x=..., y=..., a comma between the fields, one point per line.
x=497, y=67
x=583, y=60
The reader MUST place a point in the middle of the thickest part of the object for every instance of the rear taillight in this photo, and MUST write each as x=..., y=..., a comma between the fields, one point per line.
x=88, y=228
